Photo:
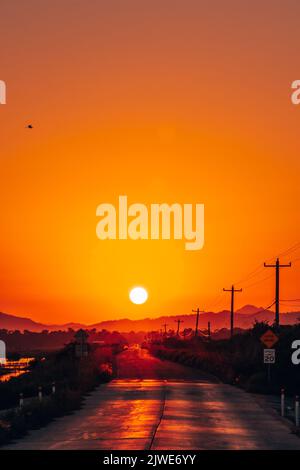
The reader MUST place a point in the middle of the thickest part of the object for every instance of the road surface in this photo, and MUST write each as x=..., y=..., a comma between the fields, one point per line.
x=156, y=404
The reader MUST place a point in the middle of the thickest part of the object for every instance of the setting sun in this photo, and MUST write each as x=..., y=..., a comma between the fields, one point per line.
x=138, y=295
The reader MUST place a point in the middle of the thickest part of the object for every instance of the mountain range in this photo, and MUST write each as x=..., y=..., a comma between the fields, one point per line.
x=244, y=318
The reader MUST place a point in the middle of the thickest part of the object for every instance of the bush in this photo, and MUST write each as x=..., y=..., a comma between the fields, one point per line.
x=106, y=372
x=239, y=360
x=257, y=383
x=73, y=378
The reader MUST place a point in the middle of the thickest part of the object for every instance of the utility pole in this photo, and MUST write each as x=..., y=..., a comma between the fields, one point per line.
x=277, y=267
x=208, y=329
x=178, y=325
x=232, y=290
x=198, y=311
x=165, y=327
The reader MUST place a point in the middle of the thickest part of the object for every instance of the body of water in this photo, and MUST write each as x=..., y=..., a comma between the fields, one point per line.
x=12, y=369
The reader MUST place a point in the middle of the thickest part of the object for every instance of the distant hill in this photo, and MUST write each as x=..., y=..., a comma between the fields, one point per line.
x=12, y=322
x=249, y=310
x=244, y=318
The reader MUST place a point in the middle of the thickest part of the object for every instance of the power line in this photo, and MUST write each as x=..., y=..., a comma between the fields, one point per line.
x=289, y=305
x=258, y=282
x=260, y=267
x=216, y=301
x=251, y=274
x=290, y=250
x=265, y=309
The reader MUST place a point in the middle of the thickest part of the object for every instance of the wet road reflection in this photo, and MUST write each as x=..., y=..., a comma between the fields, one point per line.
x=165, y=414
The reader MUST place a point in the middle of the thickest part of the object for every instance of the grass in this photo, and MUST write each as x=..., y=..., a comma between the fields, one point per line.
x=74, y=378
x=239, y=361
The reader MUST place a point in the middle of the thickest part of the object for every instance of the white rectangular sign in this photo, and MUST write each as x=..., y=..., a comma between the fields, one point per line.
x=269, y=356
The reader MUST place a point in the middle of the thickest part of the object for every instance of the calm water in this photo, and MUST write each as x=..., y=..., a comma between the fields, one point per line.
x=15, y=368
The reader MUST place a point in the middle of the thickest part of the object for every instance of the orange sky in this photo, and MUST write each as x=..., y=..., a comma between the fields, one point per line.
x=173, y=101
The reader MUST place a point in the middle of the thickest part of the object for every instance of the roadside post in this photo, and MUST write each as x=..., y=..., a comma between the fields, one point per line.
x=282, y=402
x=269, y=339
x=53, y=388
x=297, y=420
x=40, y=394
x=21, y=400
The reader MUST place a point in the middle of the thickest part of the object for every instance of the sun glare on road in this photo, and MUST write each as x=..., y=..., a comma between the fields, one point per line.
x=138, y=295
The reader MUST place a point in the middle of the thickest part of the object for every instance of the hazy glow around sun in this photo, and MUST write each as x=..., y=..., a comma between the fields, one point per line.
x=138, y=295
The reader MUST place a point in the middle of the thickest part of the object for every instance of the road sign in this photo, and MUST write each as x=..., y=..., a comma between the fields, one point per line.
x=269, y=356
x=269, y=338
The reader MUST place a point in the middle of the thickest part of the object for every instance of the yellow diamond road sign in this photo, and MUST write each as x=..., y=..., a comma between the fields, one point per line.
x=269, y=338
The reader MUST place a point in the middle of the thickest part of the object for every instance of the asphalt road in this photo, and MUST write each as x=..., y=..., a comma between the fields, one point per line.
x=156, y=404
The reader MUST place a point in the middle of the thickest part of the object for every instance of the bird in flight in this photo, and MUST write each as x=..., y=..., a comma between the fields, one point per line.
x=30, y=126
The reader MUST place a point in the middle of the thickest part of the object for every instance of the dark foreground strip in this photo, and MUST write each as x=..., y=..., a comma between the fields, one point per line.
x=88, y=460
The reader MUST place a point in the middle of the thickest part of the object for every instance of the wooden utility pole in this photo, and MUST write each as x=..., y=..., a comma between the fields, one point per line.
x=198, y=311
x=232, y=290
x=208, y=329
x=277, y=267
x=178, y=325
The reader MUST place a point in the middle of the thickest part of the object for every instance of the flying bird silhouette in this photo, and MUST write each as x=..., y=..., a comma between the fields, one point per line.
x=30, y=126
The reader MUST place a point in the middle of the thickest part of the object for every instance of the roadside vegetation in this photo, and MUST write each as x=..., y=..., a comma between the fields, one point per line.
x=18, y=342
x=238, y=360
x=68, y=376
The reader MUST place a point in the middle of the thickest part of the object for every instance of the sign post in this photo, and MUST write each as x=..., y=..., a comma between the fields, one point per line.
x=269, y=358
x=269, y=339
